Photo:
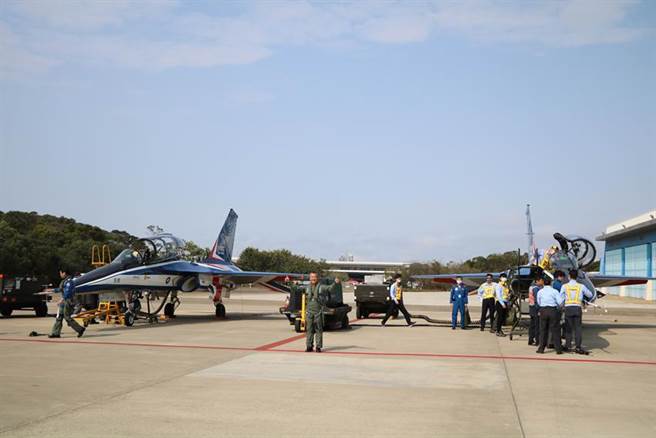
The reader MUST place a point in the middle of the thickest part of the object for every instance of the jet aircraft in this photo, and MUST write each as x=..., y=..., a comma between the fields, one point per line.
x=155, y=265
x=573, y=253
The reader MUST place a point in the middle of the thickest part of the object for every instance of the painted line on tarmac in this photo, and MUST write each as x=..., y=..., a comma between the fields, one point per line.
x=343, y=353
x=476, y=356
x=130, y=344
x=285, y=341
x=279, y=343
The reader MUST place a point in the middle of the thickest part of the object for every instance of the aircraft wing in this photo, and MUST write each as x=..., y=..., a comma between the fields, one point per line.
x=227, y=272
x=600, y=280
x=471, y=280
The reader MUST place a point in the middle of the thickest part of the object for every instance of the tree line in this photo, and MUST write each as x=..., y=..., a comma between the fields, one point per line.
x=38, y=245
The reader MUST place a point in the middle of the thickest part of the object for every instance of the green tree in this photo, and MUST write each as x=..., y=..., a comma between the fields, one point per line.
x=279, y=260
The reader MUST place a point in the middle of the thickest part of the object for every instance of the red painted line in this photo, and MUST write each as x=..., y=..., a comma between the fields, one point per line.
x=339, y=353
x=129, y=344
x=279, y=343
x=479, y=356
x=286, y=341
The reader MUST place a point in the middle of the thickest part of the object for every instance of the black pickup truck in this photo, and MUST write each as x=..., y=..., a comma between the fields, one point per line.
x=19, y=293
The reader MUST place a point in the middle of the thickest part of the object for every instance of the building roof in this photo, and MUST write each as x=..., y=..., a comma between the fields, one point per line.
x=644, y=221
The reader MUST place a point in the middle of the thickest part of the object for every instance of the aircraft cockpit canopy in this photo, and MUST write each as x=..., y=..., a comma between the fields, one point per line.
x=159, y=247
x=563, y=261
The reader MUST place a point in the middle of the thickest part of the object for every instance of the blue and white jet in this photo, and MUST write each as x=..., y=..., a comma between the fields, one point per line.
x=156, y=264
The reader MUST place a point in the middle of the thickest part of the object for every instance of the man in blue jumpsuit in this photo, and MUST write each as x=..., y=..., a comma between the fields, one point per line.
x=458, y=300
x=65, y=306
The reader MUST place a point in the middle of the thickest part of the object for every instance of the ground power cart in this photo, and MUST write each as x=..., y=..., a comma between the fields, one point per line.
x=335, y=312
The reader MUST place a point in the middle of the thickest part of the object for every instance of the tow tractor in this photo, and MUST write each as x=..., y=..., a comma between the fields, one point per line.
x=374, y=298
x=19, y=293
x=335, y=312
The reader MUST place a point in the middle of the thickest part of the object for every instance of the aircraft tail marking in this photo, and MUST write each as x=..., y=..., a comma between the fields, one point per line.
x=222, y=249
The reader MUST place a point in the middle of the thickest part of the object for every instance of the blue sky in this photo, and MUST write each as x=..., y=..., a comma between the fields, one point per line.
x=393, y=131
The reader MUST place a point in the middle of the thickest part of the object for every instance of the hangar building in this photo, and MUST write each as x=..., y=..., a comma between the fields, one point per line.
x=631, y=250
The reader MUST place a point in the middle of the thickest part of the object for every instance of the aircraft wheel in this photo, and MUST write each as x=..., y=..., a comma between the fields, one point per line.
x=220, y=311
x=169, y=310
x=297, y=325
x=6, y=311
x=128, y=317
x=41, y=310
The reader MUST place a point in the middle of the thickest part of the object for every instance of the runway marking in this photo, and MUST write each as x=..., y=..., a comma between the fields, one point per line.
x=266, y=347
x=344, y=353
x=285, y=341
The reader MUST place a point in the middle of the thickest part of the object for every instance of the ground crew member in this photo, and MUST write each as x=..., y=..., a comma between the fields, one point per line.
x=502, y=296
x=459, y=301
x=314, y=311
x=560, y=280
x=533, y=308
x=573, y=293
x=486, y=293
x=549, y=300
x=65, y=306
x=396, y=302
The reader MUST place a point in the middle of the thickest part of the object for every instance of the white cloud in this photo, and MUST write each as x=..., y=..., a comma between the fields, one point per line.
x=80, y=15
x=151, y=34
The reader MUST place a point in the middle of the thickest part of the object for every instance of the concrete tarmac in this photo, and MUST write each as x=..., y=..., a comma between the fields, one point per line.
x=196, y=376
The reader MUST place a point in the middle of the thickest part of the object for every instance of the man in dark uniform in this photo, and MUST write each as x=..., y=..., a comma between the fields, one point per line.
x=486, y=293
x=533, y=310
x=396, y=302
x=314, y=311
x=549, y=300
x=65, y=306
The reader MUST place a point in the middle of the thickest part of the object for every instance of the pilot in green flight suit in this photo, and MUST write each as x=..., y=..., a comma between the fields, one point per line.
x=314, y=310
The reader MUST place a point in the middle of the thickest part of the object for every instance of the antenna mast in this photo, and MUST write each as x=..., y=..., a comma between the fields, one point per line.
x=532, y=250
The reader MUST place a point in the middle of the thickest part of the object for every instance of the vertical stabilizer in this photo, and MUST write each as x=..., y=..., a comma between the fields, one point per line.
x=222, y=249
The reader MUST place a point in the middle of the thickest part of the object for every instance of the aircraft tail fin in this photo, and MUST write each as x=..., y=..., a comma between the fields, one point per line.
x=222, y=249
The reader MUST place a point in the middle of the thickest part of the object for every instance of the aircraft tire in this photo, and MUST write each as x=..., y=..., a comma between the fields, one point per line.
x=169, y=310
x=128, y=317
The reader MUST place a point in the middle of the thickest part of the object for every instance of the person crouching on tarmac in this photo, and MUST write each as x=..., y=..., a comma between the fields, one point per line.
x=65, y=306
x=573, y=294
x=314, y=311
x=549, y=300
x=486, y=293
x=396, y=302
x=502, y=295
x=459, y=301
